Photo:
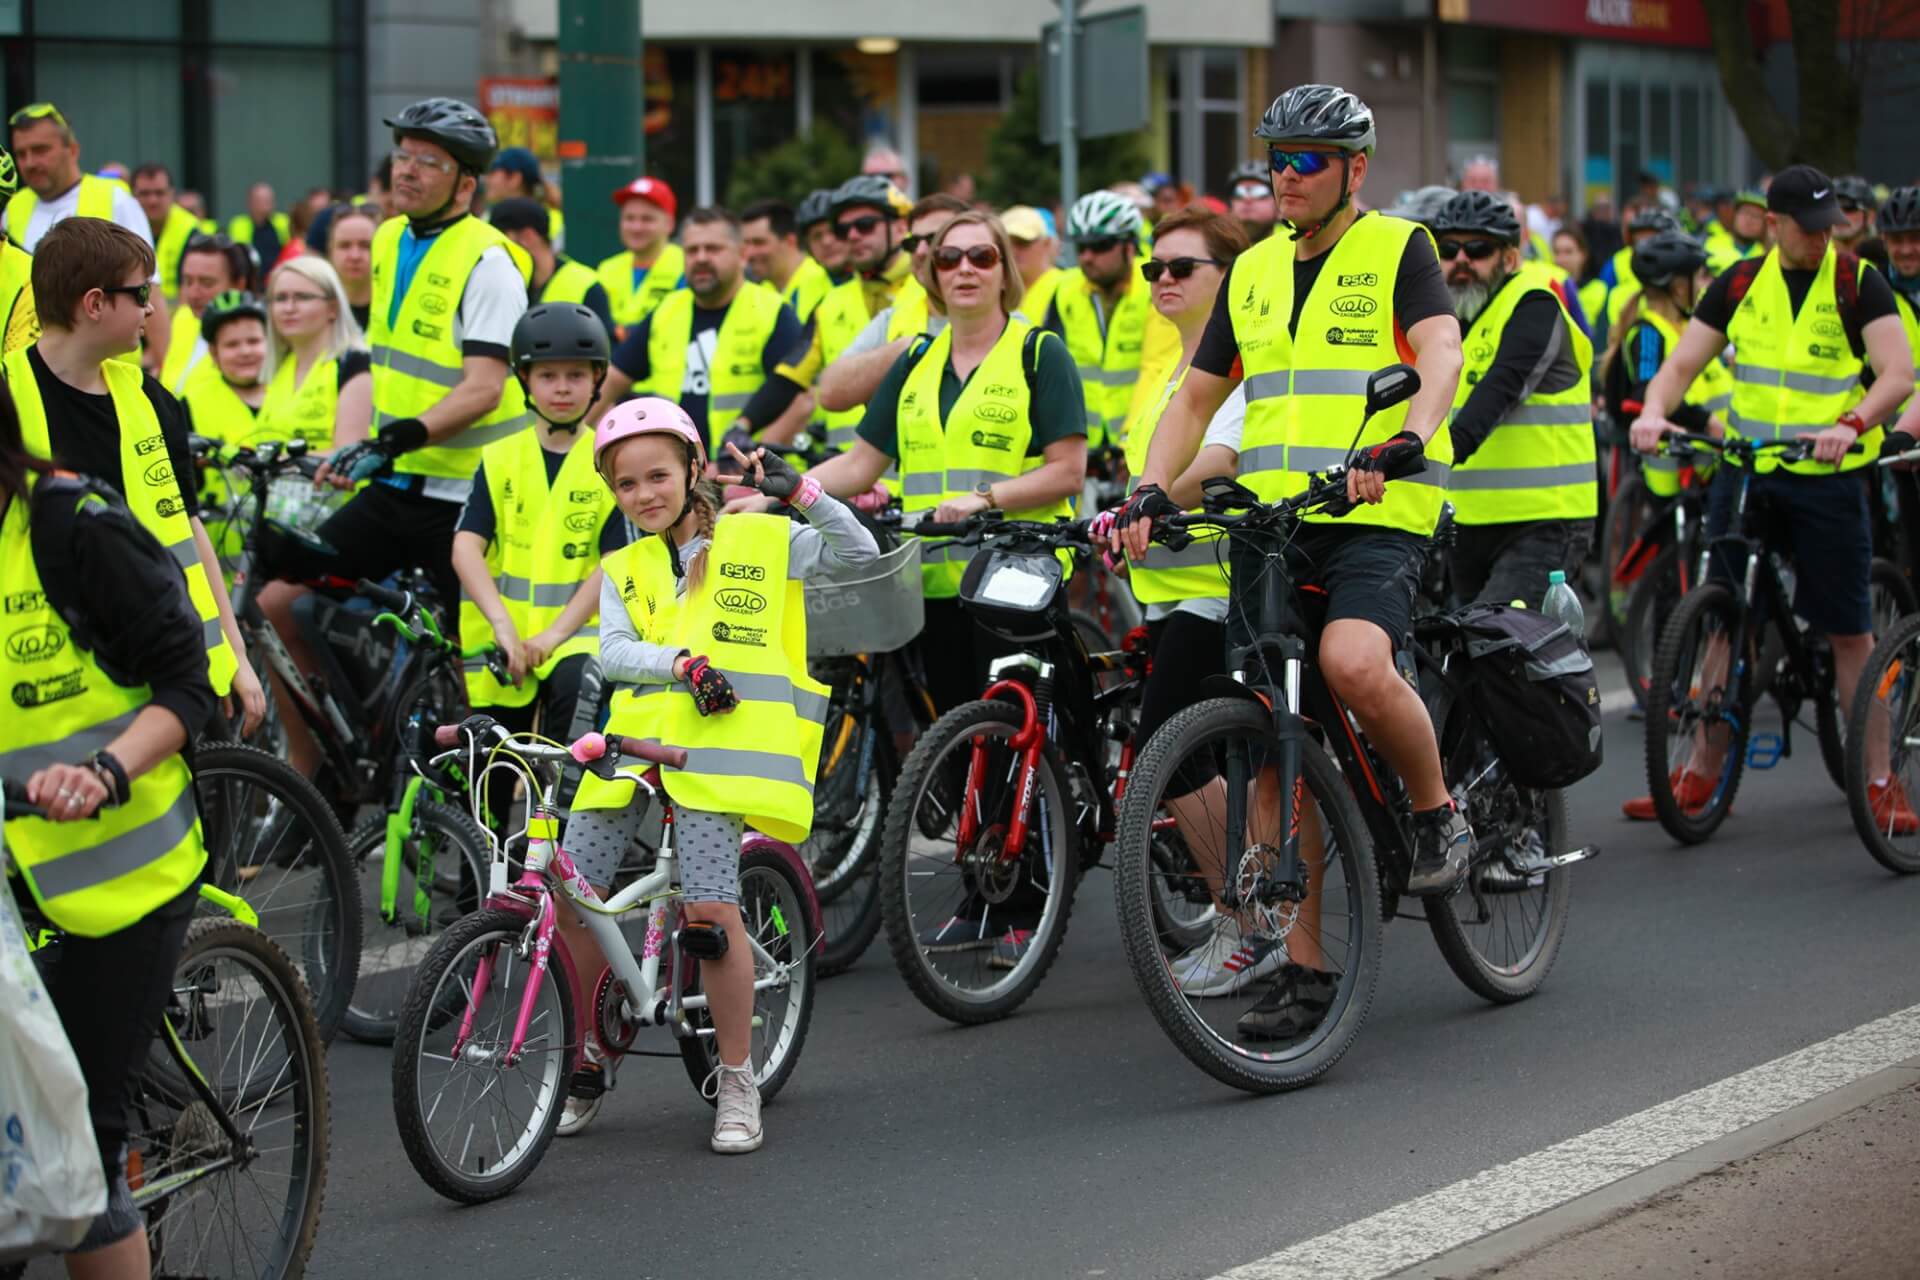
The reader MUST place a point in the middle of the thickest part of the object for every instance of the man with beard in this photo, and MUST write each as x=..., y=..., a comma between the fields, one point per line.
x=713, y=345
x=1524, y=485
x=1251, y=187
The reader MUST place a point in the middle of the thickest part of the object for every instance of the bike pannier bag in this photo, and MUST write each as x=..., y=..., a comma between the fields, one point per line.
x=1531, y=682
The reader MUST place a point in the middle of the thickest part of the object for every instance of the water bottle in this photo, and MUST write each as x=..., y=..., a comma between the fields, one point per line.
x=1563, y=605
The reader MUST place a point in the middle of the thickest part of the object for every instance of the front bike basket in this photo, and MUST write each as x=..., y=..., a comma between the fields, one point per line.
x=876, y=608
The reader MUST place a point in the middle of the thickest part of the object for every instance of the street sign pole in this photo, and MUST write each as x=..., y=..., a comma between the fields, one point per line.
x=1069, y=91
x=602, y=108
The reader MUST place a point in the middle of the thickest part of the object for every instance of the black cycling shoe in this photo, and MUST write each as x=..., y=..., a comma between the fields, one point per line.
x=1295, y=1002
x=1442, y=848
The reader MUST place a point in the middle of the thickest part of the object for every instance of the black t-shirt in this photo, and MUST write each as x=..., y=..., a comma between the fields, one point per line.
x=1419, y=293
x=362, y=314
x=477, y=515
x=351, y=364
x=84, y=433
x=1715, y=309
x=632, y=358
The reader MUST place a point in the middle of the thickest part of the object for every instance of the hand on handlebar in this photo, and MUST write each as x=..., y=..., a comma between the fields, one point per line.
x=1648, y=429
x=512, y=649
x=1831, y=445
x=1133, y=526
x=955, y=510
x=1402, y=454
x=68, y=792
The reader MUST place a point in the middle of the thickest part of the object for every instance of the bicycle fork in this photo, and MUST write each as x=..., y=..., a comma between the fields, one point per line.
x=1029, y=742
x=1282, y=877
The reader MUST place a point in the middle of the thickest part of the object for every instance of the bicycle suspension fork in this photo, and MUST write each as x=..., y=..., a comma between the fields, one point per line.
x=1036, y=707
x=1282, y=876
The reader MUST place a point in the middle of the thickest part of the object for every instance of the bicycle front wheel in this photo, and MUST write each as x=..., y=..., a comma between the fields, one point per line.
x=1277, y=990
x=272, y=839
x=239, y=1050
x=1697, y=716
x=1886, y=706
x=474, y=1120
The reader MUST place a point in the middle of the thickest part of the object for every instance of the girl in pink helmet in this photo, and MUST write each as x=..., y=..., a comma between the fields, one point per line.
x=665, y=620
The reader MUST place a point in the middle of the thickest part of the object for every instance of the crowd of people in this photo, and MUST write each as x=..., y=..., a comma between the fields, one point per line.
x=538, y=435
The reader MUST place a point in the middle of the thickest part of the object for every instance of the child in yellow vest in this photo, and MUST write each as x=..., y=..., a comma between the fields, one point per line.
x=735, y=693
x=225, y=407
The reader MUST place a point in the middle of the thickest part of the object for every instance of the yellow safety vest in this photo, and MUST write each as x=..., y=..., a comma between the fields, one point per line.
x=97, y=877
x=1910, y=320
x=1712, y=391
x=96, y=201
x=1198, y=570
x=219, y=412
x=1593, y=301
x=750, y=621
x=911, y=311
x=630, y=305
x=1107, y=348
x=739, y=350
x=1538, y=462
x=840, y=317
x=984, y=438
x=1039, y=295
x=174, y=234
x=303, y=411
x=568, y=283
x=153, y=494
x=22, y=327
x=546, y=542
x=184, y=350
x=240, y=231
x=415, y=359
x=556, y=228
x=1794, y=373
x=1306, y=395
x=809, y=286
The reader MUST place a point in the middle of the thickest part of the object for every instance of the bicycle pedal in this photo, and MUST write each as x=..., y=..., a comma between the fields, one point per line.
x=1764, y=750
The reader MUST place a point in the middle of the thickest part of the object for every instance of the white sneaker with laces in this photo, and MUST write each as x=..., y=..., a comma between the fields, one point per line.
x=736, y=1113
x=579, y=1112
x=1228, y=961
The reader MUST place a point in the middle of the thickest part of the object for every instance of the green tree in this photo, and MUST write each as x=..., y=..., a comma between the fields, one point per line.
x=821, y=157
x=1023, y=170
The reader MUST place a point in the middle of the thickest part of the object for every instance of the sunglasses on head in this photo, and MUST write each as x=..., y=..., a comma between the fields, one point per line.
x=864, y=225
x=1099, y=244
x=984, y=257
x=1179, y=268
x=1304, y=163
x=36, y=111
x=1477, y=250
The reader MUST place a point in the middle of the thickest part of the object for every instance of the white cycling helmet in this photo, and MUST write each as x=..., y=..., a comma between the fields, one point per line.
x=1100, y=214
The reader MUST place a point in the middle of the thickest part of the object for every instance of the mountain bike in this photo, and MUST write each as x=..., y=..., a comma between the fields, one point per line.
x=1887, y=700
x=1729, y=644
x=487, y=1041
x=1301, y=832
x=228, y=1118
x=1005, y=801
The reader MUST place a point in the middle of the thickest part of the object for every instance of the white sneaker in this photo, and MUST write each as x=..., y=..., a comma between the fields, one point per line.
x=736, y=1113
x=1227, y=962
x=580, y=1111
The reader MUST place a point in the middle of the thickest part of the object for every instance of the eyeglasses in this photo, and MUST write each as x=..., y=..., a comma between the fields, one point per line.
x=984, y=257
x=138, y=292
x=1179, y=268
x=1251, y=191
x=295, y=299
x=1304, y=163
x=1099, y=244
x=421, y=160
x=1477, y=250
x=864, y=225
x=36, y=111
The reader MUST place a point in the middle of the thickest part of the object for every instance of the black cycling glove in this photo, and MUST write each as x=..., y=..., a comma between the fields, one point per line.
x=1149, y=502
x=1897, y=443
x=1400, y=455
x=369, y=458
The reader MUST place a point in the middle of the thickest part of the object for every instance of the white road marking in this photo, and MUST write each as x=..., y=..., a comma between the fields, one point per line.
x=1432, y=1224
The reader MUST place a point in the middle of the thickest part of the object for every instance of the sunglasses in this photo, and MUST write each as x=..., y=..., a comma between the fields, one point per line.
x=36, y=111
x=1251, y=191
x=138, y=292
x=1178, y=268
x=1101, y=244
x=1304, y=163
x=912, y=243
x=863, y=225
x=984, y=257
x=1476, y=250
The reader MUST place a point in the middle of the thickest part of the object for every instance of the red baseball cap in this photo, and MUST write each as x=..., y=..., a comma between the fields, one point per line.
x=653, y=191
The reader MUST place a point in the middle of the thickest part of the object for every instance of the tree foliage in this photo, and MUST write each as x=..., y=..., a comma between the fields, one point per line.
x=1022, y=170
x=821, y=157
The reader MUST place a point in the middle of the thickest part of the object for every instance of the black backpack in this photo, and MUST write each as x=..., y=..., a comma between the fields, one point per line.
x=1531, y=683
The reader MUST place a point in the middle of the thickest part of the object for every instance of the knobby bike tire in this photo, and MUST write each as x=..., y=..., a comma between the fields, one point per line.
x=1902, y=646
x=1654, y=596
x=1477, y=972
x=1893, y=600
x=1714, y=600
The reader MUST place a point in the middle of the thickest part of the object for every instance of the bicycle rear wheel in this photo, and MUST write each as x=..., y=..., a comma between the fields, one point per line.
x=1893, y=600
x=1698, y=719
x=473, y=1124
x=239, y=1045
x=1887, y=702
x=1212, y=1000
x=1655, y=595
x=272, y=839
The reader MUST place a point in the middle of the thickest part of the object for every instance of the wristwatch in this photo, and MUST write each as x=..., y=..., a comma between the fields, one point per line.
x=1851, y=421
x=985, y=490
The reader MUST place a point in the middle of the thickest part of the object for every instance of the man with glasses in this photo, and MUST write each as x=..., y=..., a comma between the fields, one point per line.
x=1102, y=310
x=170, y=223
x=1251, y=188
x=1524, y=485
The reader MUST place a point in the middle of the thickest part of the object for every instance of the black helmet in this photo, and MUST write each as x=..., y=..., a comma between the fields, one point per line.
x=1652, y=217
x=1901, y=212
x=1319, y=113
x=1249, y=171
x=231, y=305
x=1857, y=189
x=814, y=210
x=452, y=124
x=558, y=331
x=1480, y=213
x=869, y=190
x=1666, y=256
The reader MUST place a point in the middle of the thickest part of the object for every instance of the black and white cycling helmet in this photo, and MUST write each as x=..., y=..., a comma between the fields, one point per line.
x=1901, y=212
x=1666, y=256
x=1477, y=213
x=814, y=210
x=1323, y=113
x=452, y=124
x=1652, y=217
x=1249, y=171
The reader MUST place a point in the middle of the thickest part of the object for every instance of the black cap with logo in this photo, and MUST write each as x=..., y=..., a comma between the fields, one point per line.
x=1806, y=195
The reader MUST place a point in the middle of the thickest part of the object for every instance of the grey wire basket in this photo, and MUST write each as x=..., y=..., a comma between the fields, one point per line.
x=875, y=608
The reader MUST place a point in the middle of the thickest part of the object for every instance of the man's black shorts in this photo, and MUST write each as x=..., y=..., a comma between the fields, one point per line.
x=1823, y=524
x=1369, y=573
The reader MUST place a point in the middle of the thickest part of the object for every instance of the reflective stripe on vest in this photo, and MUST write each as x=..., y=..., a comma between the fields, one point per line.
x=416, y=361
x=983, y=439
x=97, y=877
x=1105, y=348
x=545, y=543
x=1794, y=373
x=630, y=305
x=1538, y=462
x=307, y=411
x=1306, y=396
x=738, y=366
x=1198, y=570
x=146, y=477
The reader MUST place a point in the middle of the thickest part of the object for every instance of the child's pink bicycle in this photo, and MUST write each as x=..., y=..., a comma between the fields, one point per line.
x=489, y=1038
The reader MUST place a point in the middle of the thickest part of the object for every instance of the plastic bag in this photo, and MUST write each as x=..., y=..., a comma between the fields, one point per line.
x=51, y=1185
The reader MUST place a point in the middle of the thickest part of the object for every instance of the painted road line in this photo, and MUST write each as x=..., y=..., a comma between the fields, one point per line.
x=1422, y=1228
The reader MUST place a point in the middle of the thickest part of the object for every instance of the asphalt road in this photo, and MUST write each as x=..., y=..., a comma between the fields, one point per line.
x=1074, y=1140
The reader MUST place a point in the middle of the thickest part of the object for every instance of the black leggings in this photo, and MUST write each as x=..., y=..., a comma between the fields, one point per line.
x=1186, y=649
x=568, y=705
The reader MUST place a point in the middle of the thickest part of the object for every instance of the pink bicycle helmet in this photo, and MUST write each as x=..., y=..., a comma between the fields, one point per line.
x=643, y=416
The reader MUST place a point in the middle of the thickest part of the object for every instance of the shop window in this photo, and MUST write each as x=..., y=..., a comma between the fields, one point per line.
x=963, y=78
x=753, y=106
x=1692, y=165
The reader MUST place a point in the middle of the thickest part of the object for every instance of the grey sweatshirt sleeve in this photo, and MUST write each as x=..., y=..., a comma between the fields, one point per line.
x=831, y=539
x=624, y=657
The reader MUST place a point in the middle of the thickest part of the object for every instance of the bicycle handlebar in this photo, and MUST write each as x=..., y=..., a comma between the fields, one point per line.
x=585, y=750
x=1740, y=447
x=17, y=804
x=994, y=524
x=400, y=602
